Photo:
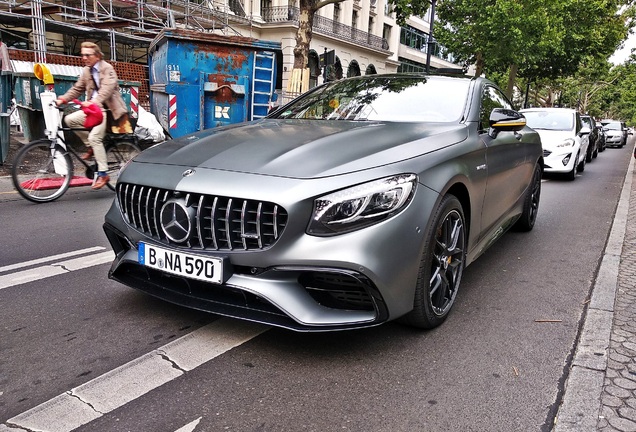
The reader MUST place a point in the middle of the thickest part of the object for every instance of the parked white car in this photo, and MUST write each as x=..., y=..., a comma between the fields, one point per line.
x=564, y=138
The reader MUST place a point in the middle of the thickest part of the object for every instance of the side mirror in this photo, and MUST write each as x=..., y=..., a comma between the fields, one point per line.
x=505, y=120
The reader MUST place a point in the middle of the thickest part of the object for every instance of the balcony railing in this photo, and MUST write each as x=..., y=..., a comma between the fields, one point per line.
x=325, y=26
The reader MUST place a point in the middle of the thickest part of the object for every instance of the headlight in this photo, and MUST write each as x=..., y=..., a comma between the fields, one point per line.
x=567, y=143
x=362, y=205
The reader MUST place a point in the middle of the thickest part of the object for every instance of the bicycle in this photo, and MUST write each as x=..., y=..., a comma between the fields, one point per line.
x=43, y=169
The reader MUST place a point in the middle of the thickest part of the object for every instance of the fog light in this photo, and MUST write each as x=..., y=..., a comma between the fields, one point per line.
x=566, y=159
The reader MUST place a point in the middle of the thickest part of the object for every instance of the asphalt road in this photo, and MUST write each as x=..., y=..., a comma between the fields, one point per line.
x=497, y=364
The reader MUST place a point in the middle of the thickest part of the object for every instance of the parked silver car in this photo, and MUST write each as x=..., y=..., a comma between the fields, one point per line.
x=359, y=202
x=615, y=133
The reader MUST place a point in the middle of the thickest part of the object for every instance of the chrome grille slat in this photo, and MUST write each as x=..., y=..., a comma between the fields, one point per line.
x=154, y=214
x=258, y=224
x=228, y=228
x=199, y=219
x=243, y=222
x=215, y=244
x=221, y=223
x=148, y=224
x=141, y=224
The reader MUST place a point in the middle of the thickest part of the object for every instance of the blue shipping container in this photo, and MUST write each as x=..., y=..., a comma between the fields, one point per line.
x=200, y=81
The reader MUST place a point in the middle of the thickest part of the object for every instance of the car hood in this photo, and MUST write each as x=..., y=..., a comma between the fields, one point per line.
x=304, y=148
x=551, y=138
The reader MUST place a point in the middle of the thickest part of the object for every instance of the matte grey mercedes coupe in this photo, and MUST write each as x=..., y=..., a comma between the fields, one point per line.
x=357, y=203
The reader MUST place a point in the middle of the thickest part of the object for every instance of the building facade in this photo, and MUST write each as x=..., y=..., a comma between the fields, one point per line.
x=363, y=34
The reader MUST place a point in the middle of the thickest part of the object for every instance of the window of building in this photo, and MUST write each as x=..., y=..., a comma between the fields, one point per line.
x=414, y=38
x=354, y=19
x=353, y=69
x=407, y=65
x=266, y=6
x=386, y=31
x=336, y=12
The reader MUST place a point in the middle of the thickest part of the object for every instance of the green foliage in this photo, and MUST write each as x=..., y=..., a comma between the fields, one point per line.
x=559, y=47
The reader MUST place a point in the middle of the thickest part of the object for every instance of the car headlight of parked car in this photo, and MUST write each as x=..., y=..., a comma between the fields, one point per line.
x=361, y=205
x=567, y=143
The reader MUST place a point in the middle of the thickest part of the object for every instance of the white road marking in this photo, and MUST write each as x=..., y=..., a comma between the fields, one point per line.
x=55, y=269
x=50, y=258
x=85, y=403
x=190, y=426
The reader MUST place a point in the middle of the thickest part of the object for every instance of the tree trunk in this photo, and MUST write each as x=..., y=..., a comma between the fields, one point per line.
x=479, y=64
x=304, y=34
x=512, y=77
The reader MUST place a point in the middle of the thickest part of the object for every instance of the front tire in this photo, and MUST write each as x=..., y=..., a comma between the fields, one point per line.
x=572, y=174
x=531, y=202
x=441, y=266
x=42, y=173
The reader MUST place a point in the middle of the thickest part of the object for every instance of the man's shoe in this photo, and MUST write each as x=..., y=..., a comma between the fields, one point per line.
x=88, y=155
x=100, y=182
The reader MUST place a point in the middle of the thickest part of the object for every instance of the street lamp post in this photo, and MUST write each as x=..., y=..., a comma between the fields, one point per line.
x=431, y=43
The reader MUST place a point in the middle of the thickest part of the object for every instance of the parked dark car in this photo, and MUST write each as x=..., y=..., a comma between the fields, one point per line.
x=594, y=140
x=359, y=202
x=601, y=136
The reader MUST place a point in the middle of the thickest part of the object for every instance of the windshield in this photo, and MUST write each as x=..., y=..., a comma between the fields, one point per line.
x=587, y=121
x=387, y=98
x=550, y=120
x=613, y=125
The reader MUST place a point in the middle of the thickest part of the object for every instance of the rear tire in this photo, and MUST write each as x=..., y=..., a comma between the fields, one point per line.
x=441, y=266
x=41, y=174
x=118, y=154
x=531, y=202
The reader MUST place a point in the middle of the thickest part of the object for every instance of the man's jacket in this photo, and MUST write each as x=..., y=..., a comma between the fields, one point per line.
x=108, y=94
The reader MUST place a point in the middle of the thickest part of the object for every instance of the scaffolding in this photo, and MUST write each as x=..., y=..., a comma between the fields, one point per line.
x=120, y=24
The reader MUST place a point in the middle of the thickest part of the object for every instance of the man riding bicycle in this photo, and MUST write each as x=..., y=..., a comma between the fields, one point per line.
x=100, y=83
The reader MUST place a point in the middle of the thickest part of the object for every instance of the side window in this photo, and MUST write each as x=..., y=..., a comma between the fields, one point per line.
x=491, y=98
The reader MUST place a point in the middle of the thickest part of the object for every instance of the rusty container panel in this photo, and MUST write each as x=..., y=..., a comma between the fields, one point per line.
x=200, y=81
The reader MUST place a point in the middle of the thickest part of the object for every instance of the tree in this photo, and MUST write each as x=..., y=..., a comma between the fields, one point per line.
x=534, y=39
x=308, y=9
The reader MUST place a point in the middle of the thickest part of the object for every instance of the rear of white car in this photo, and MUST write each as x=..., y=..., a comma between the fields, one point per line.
x=564, y=146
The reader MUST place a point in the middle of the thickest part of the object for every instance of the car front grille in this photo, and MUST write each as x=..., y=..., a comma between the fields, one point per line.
x=217, y=223
x=546, y=153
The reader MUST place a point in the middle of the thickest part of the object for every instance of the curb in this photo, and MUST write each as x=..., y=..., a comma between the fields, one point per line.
x=581, y=406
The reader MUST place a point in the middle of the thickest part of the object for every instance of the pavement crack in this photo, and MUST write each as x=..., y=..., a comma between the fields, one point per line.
x=70, y=393
x=172, y=362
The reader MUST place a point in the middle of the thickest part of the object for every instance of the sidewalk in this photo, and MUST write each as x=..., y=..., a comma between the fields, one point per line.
x=600, y=392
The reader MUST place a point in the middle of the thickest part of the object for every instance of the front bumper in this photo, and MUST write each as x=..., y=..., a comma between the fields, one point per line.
x=553, y=160
x=303, y=283
x=613, y=140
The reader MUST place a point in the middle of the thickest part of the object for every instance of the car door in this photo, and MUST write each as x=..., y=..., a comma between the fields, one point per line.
x=508, y=161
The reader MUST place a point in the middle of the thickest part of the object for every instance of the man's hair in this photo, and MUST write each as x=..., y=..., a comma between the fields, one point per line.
x=96, y=49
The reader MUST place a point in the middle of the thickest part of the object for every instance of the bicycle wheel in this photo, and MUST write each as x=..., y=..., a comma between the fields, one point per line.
x=117, y=155
x=40, y=172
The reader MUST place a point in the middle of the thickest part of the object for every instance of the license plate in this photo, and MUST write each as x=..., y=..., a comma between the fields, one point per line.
x=198, y=267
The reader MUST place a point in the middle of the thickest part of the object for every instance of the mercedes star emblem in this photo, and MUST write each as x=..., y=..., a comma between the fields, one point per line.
x=176, y=221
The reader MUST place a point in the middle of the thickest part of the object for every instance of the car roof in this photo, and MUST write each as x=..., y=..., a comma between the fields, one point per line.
x=548, y=109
